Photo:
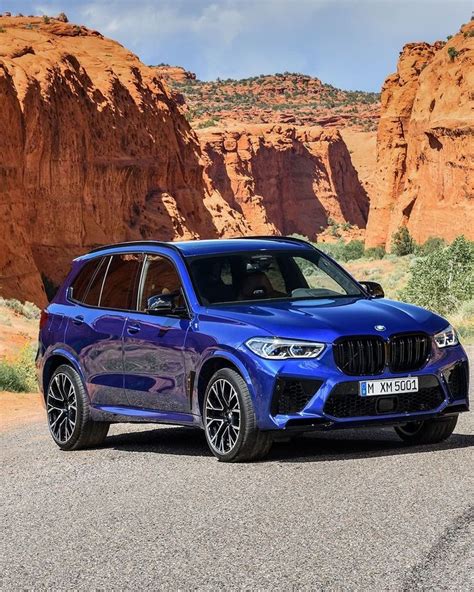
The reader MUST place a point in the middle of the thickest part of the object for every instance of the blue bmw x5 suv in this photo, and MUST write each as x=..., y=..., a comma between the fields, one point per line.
x=250, y=339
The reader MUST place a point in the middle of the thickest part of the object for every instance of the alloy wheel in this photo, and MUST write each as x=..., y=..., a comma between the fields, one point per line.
x=223, y=418
x=61, y=404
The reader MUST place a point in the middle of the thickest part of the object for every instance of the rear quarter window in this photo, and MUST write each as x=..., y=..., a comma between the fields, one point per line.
x=80, y=286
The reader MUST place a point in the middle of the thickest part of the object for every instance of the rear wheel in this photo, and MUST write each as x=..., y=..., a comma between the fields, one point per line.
x=430, y=431
x=229, y=420
x=68, y=410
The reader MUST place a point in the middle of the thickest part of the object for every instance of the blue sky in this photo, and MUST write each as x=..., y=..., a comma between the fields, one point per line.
x=352, y=44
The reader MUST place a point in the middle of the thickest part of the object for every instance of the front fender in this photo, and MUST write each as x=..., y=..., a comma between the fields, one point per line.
x=232, y=358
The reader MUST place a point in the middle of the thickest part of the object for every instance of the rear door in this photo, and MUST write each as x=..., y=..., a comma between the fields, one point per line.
x=154, y=355
x=95, y=331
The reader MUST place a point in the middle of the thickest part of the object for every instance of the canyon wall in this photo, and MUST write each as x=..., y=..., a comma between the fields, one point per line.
x=425, y=144
x=93, y=150
x=284, y=179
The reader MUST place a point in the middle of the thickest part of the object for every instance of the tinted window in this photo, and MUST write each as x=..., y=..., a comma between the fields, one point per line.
x=160, y=277
x=263, y=276
x=83, y=280
x=119, y=289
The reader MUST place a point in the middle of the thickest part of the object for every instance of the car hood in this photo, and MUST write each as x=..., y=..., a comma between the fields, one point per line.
x=329, y=319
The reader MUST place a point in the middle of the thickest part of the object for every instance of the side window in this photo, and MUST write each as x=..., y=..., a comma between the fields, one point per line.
x=95, y=287
x=159, y=277
x=80, y=285
x=318, y=276
x=119, y=289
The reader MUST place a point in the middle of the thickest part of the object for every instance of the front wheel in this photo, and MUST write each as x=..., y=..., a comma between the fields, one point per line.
x=68, y=411
x=229, y=420
x=430, y=431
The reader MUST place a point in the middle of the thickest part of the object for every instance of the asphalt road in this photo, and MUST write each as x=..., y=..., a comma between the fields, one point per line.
x=153, y=509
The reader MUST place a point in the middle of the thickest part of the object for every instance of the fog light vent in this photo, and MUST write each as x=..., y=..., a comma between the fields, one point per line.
x=292, y=395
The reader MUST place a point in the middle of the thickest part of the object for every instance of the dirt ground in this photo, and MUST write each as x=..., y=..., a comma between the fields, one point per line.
x=19, y=409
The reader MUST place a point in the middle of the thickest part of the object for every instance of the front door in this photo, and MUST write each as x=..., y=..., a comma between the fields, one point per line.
x=154, y=345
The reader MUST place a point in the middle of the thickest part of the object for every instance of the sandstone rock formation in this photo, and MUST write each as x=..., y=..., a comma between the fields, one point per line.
x=425, y=144
x=280, y=98
x=93, y=150
x=174, y=73
x=283, y=178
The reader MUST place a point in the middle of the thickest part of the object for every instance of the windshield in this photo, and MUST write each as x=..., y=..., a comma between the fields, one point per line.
x=289, y=275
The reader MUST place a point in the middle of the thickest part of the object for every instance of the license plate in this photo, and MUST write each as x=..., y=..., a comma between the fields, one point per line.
x=391, y=386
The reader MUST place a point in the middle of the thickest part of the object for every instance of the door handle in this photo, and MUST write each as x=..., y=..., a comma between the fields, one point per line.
x=78, y=320
x=133, y=329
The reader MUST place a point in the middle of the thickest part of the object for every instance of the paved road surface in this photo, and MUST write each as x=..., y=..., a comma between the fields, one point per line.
x=153, y=509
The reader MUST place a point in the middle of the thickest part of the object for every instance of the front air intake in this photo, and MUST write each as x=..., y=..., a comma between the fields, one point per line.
x=457, y=379
x=345, y=400
x=292, y=395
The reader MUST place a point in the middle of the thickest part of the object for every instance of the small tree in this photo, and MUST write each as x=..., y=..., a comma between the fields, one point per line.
x=402, y=242
x=62, y=17
x=453, y=53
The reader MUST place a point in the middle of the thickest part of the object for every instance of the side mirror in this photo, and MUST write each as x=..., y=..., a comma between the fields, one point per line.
x=373, y=289
x=160, y=304
x=165, y=304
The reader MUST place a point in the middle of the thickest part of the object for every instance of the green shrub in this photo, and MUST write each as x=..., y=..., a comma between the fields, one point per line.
x=432, y=244
x=444, y=279
x=402, y=242
x=354, y=249
x=208, y=123
x=46, y=19
x=343, y=251
x=19, y=375
x=27, y=309
x=453, y=53
x=375, y=253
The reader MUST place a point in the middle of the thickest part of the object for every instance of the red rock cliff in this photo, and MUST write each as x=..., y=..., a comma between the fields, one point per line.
x=284, y=179
x=92, y=150
x=425, y=144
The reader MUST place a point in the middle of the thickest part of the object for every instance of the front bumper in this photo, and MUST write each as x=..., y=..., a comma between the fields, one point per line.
x=334, y=401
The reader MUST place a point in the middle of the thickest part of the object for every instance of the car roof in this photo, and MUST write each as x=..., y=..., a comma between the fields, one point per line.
x=193, y=248
x=232, y=245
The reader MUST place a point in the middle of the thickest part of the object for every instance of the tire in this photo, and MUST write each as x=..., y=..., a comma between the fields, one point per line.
x=430, y=431
x=69, y=412
x=229, y=420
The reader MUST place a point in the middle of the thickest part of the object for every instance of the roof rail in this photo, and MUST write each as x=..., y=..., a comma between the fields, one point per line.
x=142, y=243
x=289, y=239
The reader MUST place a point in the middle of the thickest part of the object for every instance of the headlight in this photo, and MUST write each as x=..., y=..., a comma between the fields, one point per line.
x=447, y=337
x=282, y=349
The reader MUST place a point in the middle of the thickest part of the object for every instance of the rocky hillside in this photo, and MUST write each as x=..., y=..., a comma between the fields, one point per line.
x=285, y=179
x=279, y=98
x=93, y=149
x=425, y=143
